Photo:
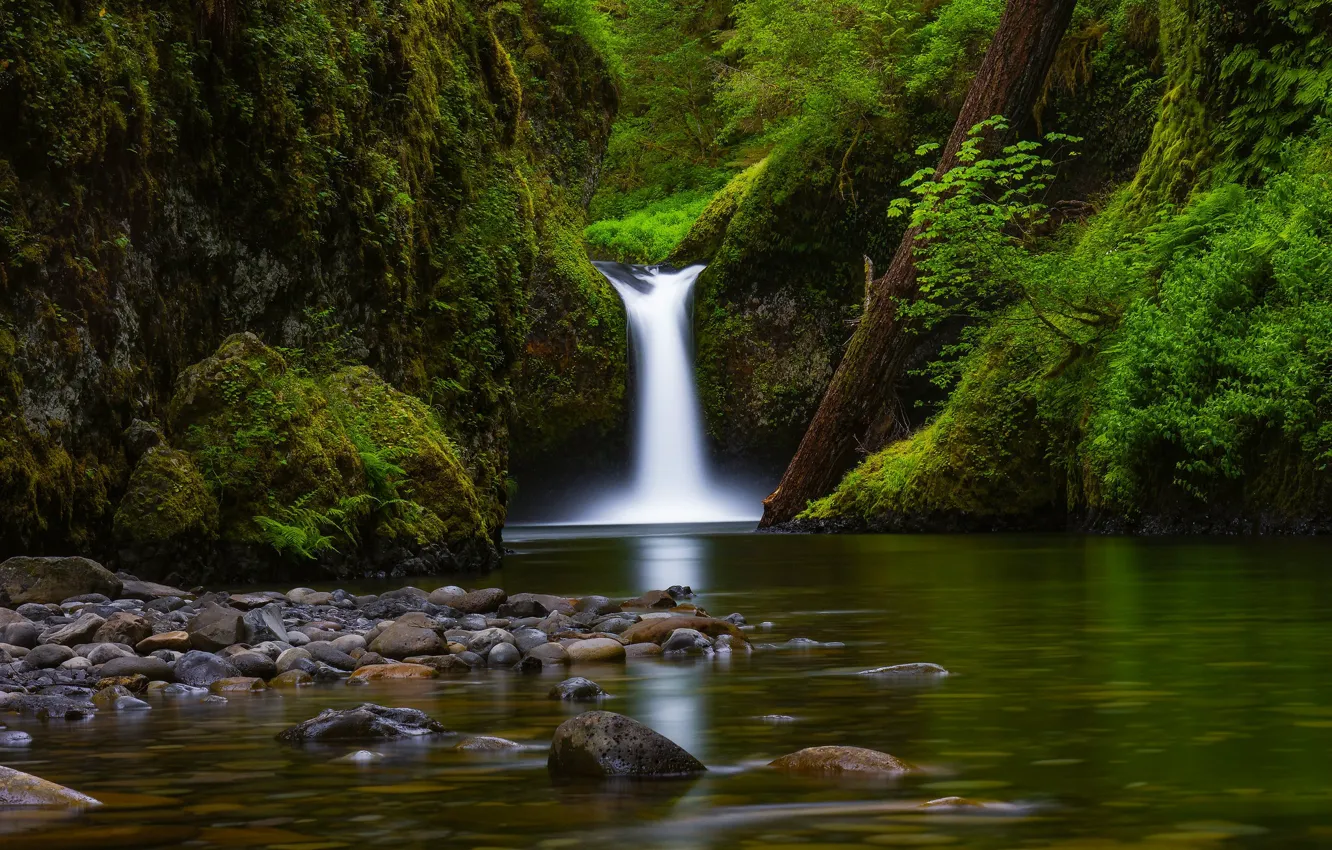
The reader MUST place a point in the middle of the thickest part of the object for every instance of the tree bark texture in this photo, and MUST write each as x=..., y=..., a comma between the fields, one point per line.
x=860, y=410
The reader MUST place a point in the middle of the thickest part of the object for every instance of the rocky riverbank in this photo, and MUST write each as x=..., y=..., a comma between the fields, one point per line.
x=80, y=638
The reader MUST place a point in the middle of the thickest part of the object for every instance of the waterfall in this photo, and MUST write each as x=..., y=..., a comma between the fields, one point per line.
x=670, y=481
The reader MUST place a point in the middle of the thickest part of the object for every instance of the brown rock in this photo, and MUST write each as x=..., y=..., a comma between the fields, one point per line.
x=123, y=627
x=549, y=654
x=237, y=684
x=136, y=684
x=595, y=650
x=650, y=600
x=177, y=641
x=833, y=761
x=482, y=601
x=75, y=633
x=657, y=629
x=642, y=650
x=217, y=627
x=400, y=641
x=487, y=744
x=291, y=679
x=445, y=664
x=377, y=672
x=22, y=789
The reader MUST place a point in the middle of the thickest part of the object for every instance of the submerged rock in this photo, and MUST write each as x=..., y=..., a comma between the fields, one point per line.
x=658, y=629
x=833, y=761
x=577, y=689
x=23, y=789
x=907, y=670
x=378, y=672
x=365, y=722
x=202, y=669
x=487, y=744
x=46, y=707
x=602, y=743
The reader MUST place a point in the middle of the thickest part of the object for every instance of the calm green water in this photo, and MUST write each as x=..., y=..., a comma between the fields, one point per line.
x=1117, y=693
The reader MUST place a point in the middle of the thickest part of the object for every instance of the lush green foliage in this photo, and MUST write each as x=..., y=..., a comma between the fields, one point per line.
x=651, y=234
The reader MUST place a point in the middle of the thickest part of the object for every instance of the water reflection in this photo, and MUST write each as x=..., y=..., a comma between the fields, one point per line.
x=660, y=562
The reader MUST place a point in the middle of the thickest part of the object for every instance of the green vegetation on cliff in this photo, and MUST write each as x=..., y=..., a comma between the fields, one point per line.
x=412, y=171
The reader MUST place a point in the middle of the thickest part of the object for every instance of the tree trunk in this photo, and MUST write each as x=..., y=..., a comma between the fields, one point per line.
x=860, y=409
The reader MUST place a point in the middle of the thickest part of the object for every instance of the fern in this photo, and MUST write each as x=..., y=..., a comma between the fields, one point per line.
x=300, y=540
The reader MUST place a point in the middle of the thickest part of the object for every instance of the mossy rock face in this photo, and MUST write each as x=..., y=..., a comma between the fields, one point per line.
x=404, y=429
x=167, y=498
x=53, y=580
x=262, y=435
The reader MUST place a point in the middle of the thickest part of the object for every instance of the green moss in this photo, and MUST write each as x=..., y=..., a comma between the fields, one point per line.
x=980, y=463
x=262, y=435
x=708, y=230
x=378, y=417
x=167, y=499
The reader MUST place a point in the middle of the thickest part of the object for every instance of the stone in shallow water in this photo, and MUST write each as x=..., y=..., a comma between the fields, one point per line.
x=833, y=761
x=907, y=670
x=378, y=672
x=686, y=642
x=202, y=669
x=577, y=689
x=602, y=744
x=23, y=789
x=365, y=722
x=149, y=667
x=291, y=679
x=360, y=757
x=595, y=650
x=487, y=744
x=46, y=707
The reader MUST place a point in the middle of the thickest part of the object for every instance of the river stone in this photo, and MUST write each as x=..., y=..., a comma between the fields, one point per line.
x=47, y=656
x=217, y=627
x=482, y=601
x=77, y=663
x=175, y=641
x=595, y=650
x=100, y=653
x=325, y=653
x=254, y=665
x=46, y=707
x=642, y=650
x=123, y=628
x=287, y=660
x=363, y=723
x=291, y=679
x=148, y=591
x=602, y=743
x=596, y=605
x=23, y=789
x=52, y=580
x=75, y=633
x=202, y=669
x=443, y=664
x=25, y=634
x=652, y=599
x=9, y=618
x=485, y=640
x=401, y=640
x=15, y=739
x=686, y=642
x=907, y=670
x=534, y=605
x=487, y=744
x=832, y=761
x=264, y=623
x=237, y=685
x=349, y=643
x=378, y=672
x=527, y=639
x=502, y=655
x=577, y=689
x=658, y=629
x=550, y=655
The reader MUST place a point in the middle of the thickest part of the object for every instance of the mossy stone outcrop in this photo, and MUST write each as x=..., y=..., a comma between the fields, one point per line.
x=382, y=184
x=167, y=499
x=52, y=580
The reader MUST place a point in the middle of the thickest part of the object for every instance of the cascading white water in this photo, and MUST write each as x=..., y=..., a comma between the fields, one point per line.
x=671, y=482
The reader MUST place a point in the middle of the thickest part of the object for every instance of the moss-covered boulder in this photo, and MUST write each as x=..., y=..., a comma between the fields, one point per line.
x=167, y=499
x=389, y=426
x=168, y=519
x=276, y=468
x=263, y=436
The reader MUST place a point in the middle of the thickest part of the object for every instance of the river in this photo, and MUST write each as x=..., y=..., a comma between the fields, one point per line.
x=1106, y=693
